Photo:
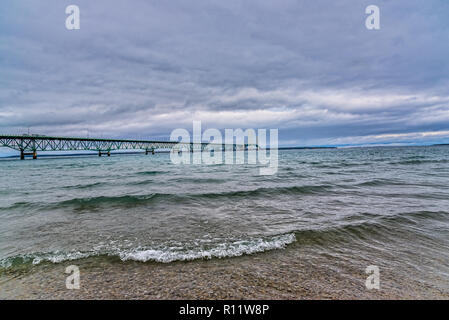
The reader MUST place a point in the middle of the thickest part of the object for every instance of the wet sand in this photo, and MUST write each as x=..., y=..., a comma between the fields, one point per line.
x=278, y=274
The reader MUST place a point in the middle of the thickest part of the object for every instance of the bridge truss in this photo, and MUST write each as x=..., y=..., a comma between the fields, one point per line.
x=31, y=144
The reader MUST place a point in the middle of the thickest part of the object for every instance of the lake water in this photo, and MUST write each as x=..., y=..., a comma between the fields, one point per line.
x=357, y=203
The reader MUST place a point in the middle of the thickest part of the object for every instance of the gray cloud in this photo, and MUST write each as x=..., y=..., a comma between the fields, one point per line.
x=309, y=68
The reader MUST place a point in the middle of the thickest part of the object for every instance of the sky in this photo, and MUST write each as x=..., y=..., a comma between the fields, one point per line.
x=309, y=68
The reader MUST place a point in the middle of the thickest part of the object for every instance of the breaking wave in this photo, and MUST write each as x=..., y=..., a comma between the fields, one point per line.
x=222, y=250
x=162, y=254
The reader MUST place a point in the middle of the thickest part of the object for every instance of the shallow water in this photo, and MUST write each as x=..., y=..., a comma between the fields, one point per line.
x=370, y=204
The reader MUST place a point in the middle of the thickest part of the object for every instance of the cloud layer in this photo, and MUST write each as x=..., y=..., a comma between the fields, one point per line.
x=307, y=67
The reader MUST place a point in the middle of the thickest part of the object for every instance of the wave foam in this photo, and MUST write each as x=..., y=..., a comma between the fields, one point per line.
x=161, y=254
x=223, y=250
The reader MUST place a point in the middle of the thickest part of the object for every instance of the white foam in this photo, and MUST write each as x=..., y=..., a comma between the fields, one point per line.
x=58, y=257
x=223, y=250
x=165, y=254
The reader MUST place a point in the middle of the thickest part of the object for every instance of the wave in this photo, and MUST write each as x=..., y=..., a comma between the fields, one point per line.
x=140, y=183
x=37, y=258
x=380, y=182
x=353, y=228
x=290, y=190
x=18, y=205
x=84, y=186
x=150, y=173
x=339, y=165
x=162, y=254
x=92, y=203
x=223, y=250
x=198, y=180
x=391, y=182
x=373, y=226
x=414, y=161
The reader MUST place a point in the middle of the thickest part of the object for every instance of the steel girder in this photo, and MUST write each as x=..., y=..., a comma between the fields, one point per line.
x=43, y=143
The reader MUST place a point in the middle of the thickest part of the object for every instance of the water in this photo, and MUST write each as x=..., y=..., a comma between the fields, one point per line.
x=361, y=203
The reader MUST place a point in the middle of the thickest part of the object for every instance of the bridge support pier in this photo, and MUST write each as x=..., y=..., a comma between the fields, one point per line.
x=23, y=154
x=100, y=153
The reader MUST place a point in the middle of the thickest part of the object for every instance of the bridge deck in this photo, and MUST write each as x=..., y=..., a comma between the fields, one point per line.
x=34, y=143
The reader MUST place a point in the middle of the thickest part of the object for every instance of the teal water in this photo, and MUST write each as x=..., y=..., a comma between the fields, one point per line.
x=145, y=208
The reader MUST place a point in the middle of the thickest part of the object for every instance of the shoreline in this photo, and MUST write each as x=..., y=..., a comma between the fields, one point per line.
x=280, y=274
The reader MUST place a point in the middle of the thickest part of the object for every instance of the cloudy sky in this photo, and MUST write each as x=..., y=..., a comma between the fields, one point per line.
x=141, y=68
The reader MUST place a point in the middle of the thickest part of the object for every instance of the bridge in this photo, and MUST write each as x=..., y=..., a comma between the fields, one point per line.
x=31, y=144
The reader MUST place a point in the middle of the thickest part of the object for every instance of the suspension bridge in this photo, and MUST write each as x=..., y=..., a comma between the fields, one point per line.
x=29, y=145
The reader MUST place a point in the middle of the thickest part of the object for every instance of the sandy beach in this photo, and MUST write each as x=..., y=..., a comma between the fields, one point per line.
x=294, y=273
